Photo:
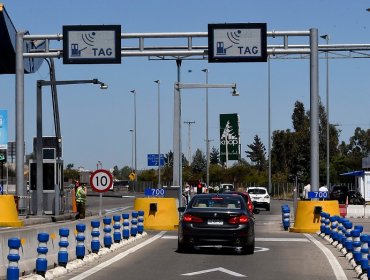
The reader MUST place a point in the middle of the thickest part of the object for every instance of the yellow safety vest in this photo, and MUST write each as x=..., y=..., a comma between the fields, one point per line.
x=80, y=195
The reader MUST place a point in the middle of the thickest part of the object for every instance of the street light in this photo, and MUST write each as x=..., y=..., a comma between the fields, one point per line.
x=326, y=37
x=134, y=93
x=39, y=157
x=207, y=135
x=132, y=149
x=177, y=158
x=158, y=82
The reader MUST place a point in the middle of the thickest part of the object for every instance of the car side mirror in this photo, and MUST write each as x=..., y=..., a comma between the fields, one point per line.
x=181, y=209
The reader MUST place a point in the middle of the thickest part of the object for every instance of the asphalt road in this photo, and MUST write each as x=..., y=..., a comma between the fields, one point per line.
x=278, y=255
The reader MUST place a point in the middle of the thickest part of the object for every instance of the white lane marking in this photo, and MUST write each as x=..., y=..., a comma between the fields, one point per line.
x=282, y=239
x=260, y=249
x=116, y=209
x=336, y=267
x=257, y=239
x=117, y=258
x=221, y=269
x=169, y=237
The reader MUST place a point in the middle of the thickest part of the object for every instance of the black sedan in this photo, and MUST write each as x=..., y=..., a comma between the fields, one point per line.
x=216, y=220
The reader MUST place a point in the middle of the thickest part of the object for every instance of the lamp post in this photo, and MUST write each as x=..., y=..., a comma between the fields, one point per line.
x=132, y=149
x=326, y=37
x=39, y=157
x=134, y=93
x=158, y=82
x=177, y=159
x=269, y=120
x=207, y=135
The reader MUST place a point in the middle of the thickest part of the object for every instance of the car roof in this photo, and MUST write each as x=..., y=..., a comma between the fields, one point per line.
x=257, y=188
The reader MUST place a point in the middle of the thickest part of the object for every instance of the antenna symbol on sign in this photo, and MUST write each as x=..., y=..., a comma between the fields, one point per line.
x=234, y=36
x=88, y=38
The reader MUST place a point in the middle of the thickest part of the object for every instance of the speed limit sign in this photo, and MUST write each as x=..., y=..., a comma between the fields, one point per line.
x=101, y=180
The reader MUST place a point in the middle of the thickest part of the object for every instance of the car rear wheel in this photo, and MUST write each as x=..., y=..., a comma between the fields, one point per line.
x=182, y=247
x=268, y=207
x=248, y=249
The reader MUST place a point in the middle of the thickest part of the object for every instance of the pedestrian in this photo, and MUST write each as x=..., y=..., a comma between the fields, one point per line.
x=80, y=200
x=306, y=190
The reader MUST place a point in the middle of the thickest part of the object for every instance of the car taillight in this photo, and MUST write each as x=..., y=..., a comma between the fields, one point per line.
x=192, y=219
x=239, y=220
x=250, y=207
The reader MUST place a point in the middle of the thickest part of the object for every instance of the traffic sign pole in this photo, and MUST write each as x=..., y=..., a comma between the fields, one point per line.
x=101, y=181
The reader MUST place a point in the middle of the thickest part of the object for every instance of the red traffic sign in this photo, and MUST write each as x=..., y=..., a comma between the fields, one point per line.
x=101, y=180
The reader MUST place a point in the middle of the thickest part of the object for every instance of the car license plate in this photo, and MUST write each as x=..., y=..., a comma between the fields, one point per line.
x=215, y=222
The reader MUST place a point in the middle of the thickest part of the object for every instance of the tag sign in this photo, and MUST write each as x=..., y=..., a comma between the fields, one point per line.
x=237, y=42
x=154, y=192
x=91, y=44
x=318, y=194
x=101, y=180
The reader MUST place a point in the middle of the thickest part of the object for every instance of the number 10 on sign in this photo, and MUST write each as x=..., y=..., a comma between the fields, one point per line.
x=101, y=181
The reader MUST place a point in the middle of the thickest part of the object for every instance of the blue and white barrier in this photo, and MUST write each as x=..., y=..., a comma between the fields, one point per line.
x=42, y=250
x=95, y=233
x=107, y=232
x=140, y=222
x=285, y=216
x=350, y=240
x=80, y=241
x=12, y=272
x=364, y=252
x=63, y=247
x=134, y=216
x=117, y=229
x=67, y=253
x=126, y=226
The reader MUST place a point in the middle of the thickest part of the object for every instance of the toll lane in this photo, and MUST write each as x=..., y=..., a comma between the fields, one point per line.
x=278, y=255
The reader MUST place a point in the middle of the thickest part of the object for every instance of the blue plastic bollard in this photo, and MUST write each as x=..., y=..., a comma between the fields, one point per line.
x=360, y=228
x=126, y=226
x=107, y=232
x=63, y=247
x=333, y=227
x=117, y=229
x=95, y=233
x=134, y=223
x=12, y=272
x=356, y=243
x=42, y=250
x=322, y=220
x=80, y=241
x=286, y=216
x=364, y=252
x=348, y=242
x=140, y=222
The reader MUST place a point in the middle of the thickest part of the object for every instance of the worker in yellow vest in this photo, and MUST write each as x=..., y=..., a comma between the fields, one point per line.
x=80, y=200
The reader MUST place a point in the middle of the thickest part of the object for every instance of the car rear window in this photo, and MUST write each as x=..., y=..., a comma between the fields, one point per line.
x=257, y=191
x=217, y=202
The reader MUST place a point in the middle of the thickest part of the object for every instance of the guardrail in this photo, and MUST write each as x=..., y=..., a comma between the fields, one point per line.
x=45, y=252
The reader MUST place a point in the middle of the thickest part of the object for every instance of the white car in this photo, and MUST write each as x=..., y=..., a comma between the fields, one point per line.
x=226, y=187
x=260, y=197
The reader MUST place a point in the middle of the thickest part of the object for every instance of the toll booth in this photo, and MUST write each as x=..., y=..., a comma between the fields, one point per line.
x=52, y=186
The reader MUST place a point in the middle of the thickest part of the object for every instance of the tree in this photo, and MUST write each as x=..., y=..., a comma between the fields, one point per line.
x=258, y=153
x=199, y=163
x=168, y=159
x=214, y=156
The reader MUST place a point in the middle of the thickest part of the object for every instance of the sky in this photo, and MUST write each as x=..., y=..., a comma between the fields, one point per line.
x=96, y=124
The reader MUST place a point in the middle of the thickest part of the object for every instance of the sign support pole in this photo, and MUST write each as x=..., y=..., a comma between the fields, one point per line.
x=100, y=203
